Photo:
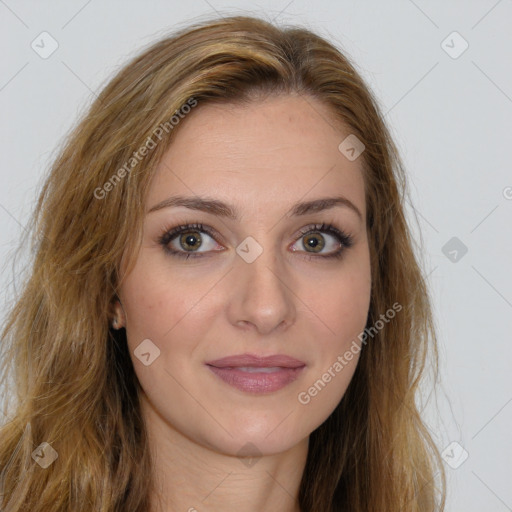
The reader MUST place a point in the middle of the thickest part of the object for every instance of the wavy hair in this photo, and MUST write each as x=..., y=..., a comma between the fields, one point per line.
x=70, y=376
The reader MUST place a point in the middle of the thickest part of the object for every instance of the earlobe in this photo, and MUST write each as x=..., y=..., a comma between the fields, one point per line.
x=118, y=316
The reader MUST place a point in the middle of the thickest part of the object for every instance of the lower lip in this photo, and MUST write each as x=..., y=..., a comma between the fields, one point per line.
x=257, y=382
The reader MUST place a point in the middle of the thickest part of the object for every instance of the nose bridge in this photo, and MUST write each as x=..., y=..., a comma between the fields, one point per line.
x=262, y=295
x=263, y=265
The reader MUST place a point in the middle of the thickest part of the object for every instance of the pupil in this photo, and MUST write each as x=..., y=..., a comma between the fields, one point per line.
x=314, y=243
x=191, y=240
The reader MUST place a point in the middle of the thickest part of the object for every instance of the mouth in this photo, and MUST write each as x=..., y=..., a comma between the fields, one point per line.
x=254, y=369
x=256, y=374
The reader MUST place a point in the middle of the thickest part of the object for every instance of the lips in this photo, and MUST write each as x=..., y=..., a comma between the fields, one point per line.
x=257, y=374
x=253, y=361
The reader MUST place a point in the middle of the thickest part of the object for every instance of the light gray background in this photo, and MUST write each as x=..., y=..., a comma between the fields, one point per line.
x=451, y=118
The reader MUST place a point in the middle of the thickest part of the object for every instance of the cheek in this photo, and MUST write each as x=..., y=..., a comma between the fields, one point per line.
x=339, y=309
x=343, y=308
x=156, y=301
x=339, y=301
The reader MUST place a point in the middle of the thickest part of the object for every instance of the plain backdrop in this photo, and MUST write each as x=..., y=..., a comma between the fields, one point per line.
x=442, y=74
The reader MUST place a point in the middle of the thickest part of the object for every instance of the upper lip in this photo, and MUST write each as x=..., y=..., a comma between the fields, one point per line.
x=250, y=360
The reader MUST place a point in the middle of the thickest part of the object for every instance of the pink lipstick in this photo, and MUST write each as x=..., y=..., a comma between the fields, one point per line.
x=257, y=374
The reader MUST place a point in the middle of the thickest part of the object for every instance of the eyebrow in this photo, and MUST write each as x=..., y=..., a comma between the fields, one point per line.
x=221, y=209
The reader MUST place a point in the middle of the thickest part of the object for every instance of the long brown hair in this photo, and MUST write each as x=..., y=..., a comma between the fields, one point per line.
x=73, y=383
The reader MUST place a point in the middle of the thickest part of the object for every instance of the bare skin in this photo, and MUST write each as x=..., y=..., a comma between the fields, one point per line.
x=261, y=159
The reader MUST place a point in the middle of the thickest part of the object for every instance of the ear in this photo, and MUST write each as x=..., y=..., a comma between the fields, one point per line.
x=118, y=317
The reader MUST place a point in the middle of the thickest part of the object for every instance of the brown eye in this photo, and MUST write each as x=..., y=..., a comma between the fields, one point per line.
x=323, y=241
x=313, y=241
x=190, y=240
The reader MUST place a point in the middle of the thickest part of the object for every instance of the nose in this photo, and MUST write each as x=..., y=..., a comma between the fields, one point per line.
x=262, y=297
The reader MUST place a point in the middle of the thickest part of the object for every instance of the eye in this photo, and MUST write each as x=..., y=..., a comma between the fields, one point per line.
x=313, y=241
x=185, y=241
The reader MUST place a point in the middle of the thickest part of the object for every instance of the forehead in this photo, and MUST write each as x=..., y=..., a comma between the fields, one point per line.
x=268, y=152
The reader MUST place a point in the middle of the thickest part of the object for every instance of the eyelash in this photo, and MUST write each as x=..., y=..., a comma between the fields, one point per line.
x=168, y=236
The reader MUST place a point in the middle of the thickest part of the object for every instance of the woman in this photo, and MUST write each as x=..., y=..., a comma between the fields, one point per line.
x=225, y=309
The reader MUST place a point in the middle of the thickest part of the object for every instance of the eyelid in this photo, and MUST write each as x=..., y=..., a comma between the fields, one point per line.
x=329, y=228
x=169, y=234
x=175, y=230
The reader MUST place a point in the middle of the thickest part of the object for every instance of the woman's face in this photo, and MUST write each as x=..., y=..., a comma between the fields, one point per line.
x=261, y=276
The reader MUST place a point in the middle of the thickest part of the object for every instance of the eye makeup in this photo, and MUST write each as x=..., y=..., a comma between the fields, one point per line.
x=194, y=231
